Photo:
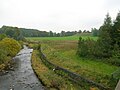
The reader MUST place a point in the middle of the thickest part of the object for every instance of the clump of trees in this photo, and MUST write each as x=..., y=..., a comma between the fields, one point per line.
x=37, y=33
x=12, y=32
x=95, y=32
x=108, y=43
x=33, y=33
x=8, y=49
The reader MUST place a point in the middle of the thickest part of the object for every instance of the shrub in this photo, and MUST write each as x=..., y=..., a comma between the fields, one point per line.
x=86, y=48
x=2, y=36
x=3, y=55
x=8, y=48
x=90, y=48
x=11, y=46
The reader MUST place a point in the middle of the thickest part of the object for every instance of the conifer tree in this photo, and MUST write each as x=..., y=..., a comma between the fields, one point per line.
x=115, y=32
x=105, y=40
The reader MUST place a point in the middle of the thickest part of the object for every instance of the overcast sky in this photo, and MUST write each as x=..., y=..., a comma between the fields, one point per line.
x=57, y=15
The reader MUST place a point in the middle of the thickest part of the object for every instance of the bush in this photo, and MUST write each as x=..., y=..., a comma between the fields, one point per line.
x=86, y=48
x=2, y=36
x=8, y=49
x=11, y=46
x=90, y=48
x=3, y=55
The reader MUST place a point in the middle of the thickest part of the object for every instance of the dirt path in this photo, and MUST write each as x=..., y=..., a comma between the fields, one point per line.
x=22, y=76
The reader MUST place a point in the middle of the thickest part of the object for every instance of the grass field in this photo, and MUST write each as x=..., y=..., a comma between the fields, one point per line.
x=62, y=52
x=75, y=37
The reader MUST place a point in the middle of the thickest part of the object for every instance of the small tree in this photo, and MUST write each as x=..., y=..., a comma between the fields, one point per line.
x=51, y=34
x=95, y=32
x=62, y=33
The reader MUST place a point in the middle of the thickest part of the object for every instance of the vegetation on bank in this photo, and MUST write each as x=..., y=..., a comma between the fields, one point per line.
x=63, y=53
x=8, y=49
x=48, y=77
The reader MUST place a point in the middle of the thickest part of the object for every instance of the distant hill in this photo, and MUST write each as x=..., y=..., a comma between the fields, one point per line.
x=33, y=33
x=22, y=32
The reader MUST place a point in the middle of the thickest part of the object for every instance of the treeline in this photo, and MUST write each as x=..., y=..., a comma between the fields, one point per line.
x=37, y=33
x=95, y=32
x=108, y=44
x=33, y=33
x=12, y=32
x=20, y=33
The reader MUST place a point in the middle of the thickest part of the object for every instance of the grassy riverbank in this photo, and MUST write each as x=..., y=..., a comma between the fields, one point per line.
x=49, y=78
x=63, y=53
x=8, y=49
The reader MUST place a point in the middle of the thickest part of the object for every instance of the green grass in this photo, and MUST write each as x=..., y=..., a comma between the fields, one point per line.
x=51, y=80
x=63, y=53
x=75, y=37
x=67, y=56
x=89, y=64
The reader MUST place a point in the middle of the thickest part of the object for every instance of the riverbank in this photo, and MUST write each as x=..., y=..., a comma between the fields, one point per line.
x=49, y=78
x=4, y=68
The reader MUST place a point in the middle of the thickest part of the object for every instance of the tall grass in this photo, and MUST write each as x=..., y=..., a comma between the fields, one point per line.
x=63, y=53
x=49, y=78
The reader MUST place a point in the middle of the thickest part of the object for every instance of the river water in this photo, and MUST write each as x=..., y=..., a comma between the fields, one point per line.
x=22, y=76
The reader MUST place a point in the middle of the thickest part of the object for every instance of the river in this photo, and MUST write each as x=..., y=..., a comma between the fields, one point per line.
x=21, y=77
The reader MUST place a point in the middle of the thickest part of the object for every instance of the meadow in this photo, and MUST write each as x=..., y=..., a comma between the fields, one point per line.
x=75, y=37
x=62, y=51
